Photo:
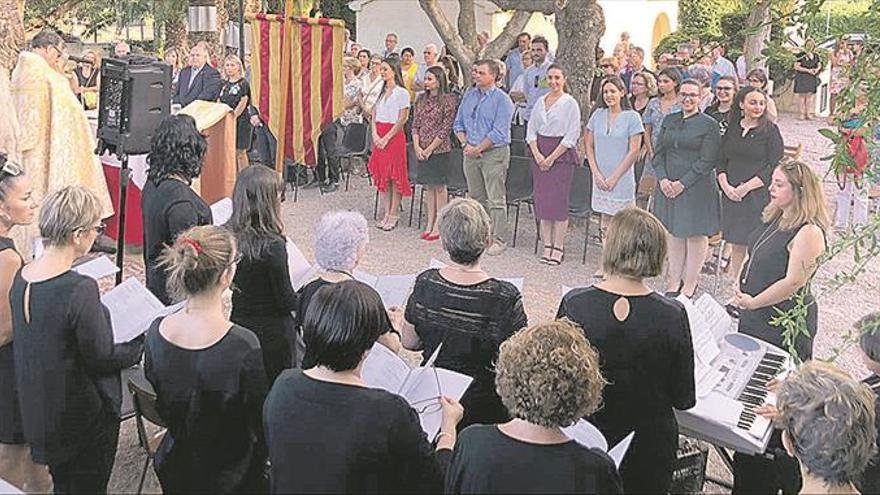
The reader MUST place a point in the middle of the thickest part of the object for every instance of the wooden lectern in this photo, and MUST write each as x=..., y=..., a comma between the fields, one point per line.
x=217, y=123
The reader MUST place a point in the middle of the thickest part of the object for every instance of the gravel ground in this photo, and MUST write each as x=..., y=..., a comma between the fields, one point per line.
x=403, y=252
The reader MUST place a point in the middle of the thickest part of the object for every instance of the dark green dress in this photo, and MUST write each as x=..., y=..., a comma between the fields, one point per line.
x=687, y=151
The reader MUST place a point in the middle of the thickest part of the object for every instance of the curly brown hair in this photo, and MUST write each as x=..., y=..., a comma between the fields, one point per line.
x=549, y=374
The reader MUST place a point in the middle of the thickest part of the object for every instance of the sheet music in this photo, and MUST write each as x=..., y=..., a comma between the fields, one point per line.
x=37, y=247
x=718, y=408
x=394, y=289
x=705, y=344
x=301, y=271
x=720, y=322
x=566, y=289
x=584, y=433
x=425, y=391
x=384, y=369
x=97, y=268
x=618, y=452
x=221, y=211
x=132, y=309
x=8, y=488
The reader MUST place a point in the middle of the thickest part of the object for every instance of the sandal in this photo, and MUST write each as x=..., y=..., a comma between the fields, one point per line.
x=546, y=259
x=556, y=262
x=388, y=227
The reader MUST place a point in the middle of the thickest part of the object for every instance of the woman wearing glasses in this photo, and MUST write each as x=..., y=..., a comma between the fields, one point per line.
x=169, y=205
x=328, y=432
x=725, y=91
x=609, y=66
x=17, y=207
x=65, y=356
x=208, y=374
x=685, y=158
x=263, y=300
x=372, y=85
x=549, y=378
x=750, y=150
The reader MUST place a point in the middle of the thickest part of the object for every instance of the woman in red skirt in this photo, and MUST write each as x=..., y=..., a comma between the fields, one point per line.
x=388, y=164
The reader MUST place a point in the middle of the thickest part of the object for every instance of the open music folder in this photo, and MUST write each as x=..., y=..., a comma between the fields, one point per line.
x=584, y=433
x=132, y=309
x=422, y=387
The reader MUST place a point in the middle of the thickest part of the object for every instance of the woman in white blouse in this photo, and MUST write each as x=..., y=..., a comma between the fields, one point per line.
x=388, y=163
x=554, y=128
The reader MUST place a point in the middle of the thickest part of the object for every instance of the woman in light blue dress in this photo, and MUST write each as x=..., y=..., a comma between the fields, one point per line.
x=666, y=103
x=613, y=139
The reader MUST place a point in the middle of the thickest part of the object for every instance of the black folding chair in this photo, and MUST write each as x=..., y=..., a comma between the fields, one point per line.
x=144, y=399
x=456, y=181
x=519, y=188
x=356, y=144
x=580, y=202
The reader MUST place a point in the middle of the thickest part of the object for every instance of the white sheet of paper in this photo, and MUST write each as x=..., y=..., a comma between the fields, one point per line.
x=705, y=345
x=221, y=211
x=384, y=369
x=365, y=277
x=394, y=289
x=452, y=385
x=718, y=408
x=300, y=268
x=720, y=322
x=8, y=488
x=132, y=309
x=565, y=290
x=435, y=263
x=584, y=433
x=618, y=452
x=37, y=247
x=97, y=268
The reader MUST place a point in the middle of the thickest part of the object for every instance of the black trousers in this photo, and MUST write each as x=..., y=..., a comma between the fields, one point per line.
x=328, y=163
x=89, y=471
x=760, y=475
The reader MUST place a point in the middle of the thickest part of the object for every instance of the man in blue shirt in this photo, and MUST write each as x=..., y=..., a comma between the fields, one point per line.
x=514, y=60
x=535, y=77
x=482, y=126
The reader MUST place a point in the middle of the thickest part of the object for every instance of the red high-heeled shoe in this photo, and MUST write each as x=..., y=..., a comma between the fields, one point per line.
x=424, y=235
x=432, y=237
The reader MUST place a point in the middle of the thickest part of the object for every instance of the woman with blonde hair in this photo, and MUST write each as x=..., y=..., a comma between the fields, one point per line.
x=236, y=92
x=644, y=344
x=548, y=378
x=208, y=374
x=66, y=358
x=782, y=256
x=88, y=79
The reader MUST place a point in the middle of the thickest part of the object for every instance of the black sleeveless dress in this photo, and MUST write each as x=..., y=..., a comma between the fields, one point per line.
x=11, y=431
x=766, y=265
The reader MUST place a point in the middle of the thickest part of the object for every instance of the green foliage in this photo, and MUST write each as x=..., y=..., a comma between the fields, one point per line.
x=838, y=18
x=670, y=43
x=699, y=17
x=338, y=9
x=96, y=14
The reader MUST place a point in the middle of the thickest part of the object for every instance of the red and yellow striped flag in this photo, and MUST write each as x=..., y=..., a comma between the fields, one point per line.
x=296, y=80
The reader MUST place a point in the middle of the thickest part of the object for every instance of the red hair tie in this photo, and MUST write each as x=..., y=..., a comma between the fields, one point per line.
x=194, y=243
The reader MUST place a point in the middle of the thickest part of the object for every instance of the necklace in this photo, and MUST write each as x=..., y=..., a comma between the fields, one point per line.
x=762, y=239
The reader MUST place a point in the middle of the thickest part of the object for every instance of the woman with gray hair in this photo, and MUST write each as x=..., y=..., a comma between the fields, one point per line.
x=827, y=421
x=65, y=356
x=464, y=309
x=341, y=239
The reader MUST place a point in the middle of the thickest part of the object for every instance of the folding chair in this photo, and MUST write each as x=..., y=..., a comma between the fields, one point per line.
x=519, y=188
x=580, y=203
x=144, y=399
x=456, y=183
x=357, y=145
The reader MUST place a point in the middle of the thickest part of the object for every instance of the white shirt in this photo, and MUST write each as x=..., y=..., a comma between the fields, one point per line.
x=562, y=119
x=388, y=109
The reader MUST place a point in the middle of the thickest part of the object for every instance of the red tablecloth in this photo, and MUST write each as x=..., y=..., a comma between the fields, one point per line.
x=134, y=229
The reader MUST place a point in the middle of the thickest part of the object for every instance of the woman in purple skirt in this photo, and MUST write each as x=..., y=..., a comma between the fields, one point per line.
x=554, y=128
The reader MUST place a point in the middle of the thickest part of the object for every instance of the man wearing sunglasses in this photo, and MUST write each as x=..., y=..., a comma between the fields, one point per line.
x=535, y=77
x=56, y=143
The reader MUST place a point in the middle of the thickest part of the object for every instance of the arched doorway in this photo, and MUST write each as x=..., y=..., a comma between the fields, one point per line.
x=662, y=27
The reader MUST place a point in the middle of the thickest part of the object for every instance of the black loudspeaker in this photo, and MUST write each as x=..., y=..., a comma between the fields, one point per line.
x=135, y=97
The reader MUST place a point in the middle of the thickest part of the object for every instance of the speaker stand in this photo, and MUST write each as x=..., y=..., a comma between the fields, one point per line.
x=124, y=176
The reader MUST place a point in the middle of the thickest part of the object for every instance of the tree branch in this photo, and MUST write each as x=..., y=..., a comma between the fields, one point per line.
x=543, y=6
x=447, y=32
x=502, y=43
x=467, y=22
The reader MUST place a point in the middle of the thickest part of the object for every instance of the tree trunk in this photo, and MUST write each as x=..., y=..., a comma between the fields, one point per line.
x=176, y=38
x=580, y=24
x=758, y=26
x=11, y=33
